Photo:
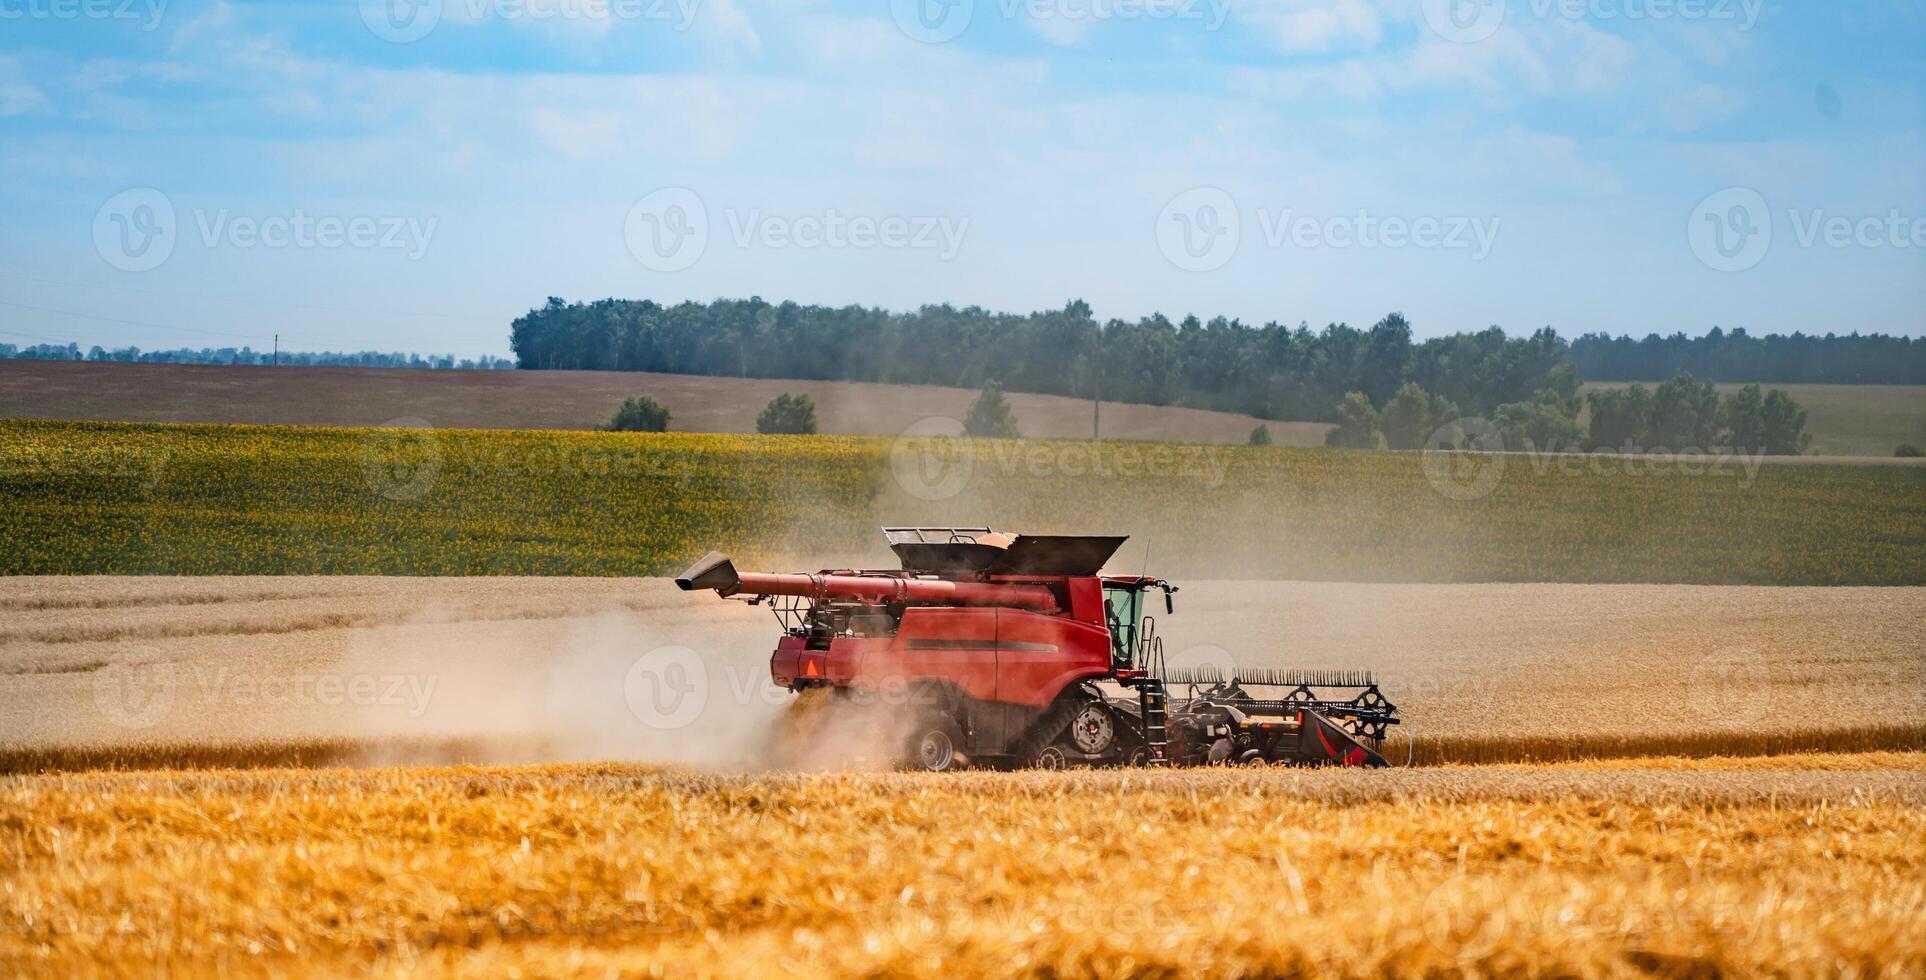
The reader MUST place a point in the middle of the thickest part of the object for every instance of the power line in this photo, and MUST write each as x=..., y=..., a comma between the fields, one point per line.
x=32, y=336
x=192, y=294
x=212, y=333
x=130, y=323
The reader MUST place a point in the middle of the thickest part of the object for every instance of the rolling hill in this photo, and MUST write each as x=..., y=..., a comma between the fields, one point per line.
x=346, y=396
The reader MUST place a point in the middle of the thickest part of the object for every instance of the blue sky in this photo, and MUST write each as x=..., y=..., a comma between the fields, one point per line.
x=208, y=174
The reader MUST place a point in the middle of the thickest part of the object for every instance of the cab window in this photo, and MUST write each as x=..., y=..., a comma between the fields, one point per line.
x=1122, y=610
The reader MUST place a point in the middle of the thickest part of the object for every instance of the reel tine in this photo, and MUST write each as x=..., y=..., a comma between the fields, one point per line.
x=1194, y=675
x=1274, y=677
x=1284, y=677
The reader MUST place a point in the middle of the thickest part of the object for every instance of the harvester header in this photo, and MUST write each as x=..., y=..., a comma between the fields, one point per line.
x=1016, y=649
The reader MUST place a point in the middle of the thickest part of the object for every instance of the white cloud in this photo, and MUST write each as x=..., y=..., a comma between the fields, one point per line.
x=842, y=41
x=723, y=20
x=1700, y=106
x=18, y=99
x=581, y=134
x=217, y=20
x=1313, y=25
x=1068, y=32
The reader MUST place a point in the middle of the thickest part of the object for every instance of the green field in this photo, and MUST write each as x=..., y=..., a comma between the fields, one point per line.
x=119, y=498
x=1848, y=420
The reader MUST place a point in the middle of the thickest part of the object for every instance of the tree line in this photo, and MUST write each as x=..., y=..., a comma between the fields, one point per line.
x=1270, y=371
x=1737, y=356
x=249, y=356
x=1683, y=415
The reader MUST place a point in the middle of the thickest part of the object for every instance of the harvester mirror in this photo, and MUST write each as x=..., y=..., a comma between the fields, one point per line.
x=1169, y=606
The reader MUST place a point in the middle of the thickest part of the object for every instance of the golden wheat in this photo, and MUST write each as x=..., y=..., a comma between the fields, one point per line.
x=589, y=870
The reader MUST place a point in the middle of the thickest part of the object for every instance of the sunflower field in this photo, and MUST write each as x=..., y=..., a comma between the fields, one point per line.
x=125, y=498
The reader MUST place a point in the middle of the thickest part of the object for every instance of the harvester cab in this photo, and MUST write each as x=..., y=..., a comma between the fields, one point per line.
x=990, y=648
x=1133, y=627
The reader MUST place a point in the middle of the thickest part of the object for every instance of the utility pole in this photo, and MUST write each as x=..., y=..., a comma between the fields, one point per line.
x=1096, y=401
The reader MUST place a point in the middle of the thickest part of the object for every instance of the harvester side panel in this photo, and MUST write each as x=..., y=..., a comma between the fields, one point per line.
x=786, y=664
x=1038, y=656
x=956, y=646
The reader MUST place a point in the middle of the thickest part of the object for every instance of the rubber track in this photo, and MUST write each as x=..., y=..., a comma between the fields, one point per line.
x=1047, y=727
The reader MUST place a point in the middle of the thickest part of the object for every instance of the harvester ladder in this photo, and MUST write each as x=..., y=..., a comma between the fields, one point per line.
x=1154, y=699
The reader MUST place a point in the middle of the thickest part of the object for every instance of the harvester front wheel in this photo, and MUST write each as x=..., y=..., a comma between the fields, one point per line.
x=934, y=745
x=1094, y=730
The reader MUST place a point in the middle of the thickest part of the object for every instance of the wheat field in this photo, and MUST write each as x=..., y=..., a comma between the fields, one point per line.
x=218, y=671
x=173, y=798
x=611, y=870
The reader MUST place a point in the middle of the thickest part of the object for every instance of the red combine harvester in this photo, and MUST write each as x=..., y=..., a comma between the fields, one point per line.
x=1002, y=648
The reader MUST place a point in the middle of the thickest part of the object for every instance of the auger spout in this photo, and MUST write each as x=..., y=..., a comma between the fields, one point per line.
x=715, y=571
